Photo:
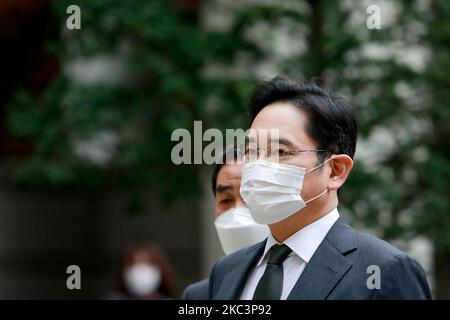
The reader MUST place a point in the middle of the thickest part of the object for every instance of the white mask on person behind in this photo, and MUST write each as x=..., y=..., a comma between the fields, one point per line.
x=272, y=190
x=237, y=229
x=142, y=279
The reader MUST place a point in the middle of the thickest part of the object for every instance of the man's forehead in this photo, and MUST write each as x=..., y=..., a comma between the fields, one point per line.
x=285, y=139
x=279, y=113
x=279, y=121
x=230, y=173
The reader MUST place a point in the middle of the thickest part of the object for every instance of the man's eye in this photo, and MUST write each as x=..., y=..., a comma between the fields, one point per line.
x=283, y=152
x=225, y=201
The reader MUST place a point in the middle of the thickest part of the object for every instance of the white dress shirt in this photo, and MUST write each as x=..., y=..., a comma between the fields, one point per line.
x=303, y=244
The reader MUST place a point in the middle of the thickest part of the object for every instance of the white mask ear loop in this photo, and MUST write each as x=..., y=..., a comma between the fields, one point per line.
x=318, y=165
x=319, y=195
x=326, y=190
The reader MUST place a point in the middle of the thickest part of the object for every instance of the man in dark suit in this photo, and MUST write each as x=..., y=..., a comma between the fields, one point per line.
x=290, y=182
x=234, y=224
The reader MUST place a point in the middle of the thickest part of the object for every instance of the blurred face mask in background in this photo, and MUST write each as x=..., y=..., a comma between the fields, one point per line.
x=272, y=190
x=142, y=279
x=237, y=229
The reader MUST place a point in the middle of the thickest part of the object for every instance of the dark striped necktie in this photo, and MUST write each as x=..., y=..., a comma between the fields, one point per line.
x=270, y=286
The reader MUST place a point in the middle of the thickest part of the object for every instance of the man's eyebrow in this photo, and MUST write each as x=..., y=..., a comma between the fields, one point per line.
x=284, y=141
x=223, y=187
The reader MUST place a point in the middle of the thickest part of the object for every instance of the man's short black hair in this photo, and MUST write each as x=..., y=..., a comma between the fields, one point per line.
x=331, y=122
x=230, y=154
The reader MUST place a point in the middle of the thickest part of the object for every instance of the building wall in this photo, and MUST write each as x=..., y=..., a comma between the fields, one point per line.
x=43, y=232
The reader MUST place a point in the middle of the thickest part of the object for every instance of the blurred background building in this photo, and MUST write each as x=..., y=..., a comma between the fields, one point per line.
x=87, y=115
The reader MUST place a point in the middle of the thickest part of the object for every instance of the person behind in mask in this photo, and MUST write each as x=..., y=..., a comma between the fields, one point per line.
x=145, y=274
x=291, y=184
x=234, y=224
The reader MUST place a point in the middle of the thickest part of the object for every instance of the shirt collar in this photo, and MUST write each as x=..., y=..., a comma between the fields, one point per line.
x=305, y=241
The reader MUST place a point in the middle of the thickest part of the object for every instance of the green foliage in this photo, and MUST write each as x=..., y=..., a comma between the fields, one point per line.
x=166, y=51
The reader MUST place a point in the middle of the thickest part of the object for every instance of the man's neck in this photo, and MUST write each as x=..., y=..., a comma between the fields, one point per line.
x=287, y=227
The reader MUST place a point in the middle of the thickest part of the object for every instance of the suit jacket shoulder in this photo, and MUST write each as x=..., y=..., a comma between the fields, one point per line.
x=230, y=272
x=196, y=291
x=341, y=268
x=402, y=276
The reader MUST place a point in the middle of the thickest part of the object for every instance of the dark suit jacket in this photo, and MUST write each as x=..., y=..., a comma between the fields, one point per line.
x=196, y=291
x=337, y=270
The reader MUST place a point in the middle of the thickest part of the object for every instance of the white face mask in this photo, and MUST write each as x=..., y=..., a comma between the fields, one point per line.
x=237, y=229
x=142, y=279
x=272, y=190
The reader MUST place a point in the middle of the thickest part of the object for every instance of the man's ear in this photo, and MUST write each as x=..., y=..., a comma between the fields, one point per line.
x=341, y=165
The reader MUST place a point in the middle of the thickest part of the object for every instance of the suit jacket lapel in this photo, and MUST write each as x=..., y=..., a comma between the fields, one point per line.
x=328, y=264
x=235, y=280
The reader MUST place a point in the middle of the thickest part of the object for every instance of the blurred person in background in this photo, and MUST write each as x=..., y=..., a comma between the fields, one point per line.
x=234, y=224
x=145, y=274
